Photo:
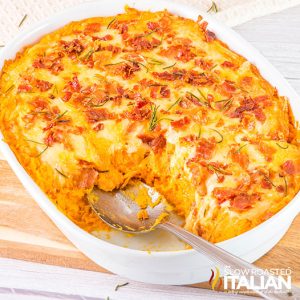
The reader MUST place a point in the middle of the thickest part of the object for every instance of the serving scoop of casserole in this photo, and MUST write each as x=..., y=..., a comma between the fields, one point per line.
x=155, y=97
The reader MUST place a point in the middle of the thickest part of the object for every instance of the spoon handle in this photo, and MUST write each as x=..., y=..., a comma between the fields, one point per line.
x=224, y=258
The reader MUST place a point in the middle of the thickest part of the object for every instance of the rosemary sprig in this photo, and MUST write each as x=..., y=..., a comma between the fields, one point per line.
x=61, y=115
x=61, y=173
x=10, y=88
x=99, y=105
x=138, y=63
x=175, y=103
x=149, y=33
x=113, y=64
x=42, y=151
x=170, y=66
x=217, y=170
x=200, y=101
x=22, y=21
x=154, y=61
x=239, y=150
x=227, y=104
x=267, y=178
x=28, y=140
x=221, y=136
x=214, y=66
x=121, y=285
x=285, y=186
x=157, y=84
x=213, y=8
x=110, y=23
x=88, y=54
x=282, y=146
x=202, y=95
x=153, y=118
x=199, y=133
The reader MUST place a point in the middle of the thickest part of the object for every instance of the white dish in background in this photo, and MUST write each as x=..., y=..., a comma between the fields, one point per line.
x=163, y=267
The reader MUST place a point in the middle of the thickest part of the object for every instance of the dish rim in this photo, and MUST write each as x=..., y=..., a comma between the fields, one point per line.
x=44, y=202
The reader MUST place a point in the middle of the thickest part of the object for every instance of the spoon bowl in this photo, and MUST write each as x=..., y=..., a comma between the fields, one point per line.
x=120, y=209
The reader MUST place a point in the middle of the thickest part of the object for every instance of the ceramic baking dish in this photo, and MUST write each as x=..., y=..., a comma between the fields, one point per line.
x=176, y=265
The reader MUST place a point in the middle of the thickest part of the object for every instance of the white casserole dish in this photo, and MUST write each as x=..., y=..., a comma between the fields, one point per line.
x=163, y=267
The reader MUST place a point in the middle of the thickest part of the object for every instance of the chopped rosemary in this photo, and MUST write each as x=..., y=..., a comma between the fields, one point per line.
x=149, y=33
x=121, y=285
x=110, y=23
x=202, y=95
x=175, y=103
x=61, y=173
x=282, y=146
x=221, y=136
x=267, y=178
x=9, y=89
x=157, y=84
x=285, y=186
x=214, y=66
x=138, y=63
x=217, y=170
x=34, y=142
x=153, y=119
x=154, y=61
x=61, y=115
x=170, y=66
x=42, y=151
x=99, y=105
x=199, y=133
x=88, y=54
x=55, y=90
x=104, y=171
x=193, y=95
x=22, y=21
x=113, y=64
x=227, y=104
x=239, y=150
x=213, y=8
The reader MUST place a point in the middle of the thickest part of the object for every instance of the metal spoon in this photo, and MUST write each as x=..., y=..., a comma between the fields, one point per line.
x=119, y=210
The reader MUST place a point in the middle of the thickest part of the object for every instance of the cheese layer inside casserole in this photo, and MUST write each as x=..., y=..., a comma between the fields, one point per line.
x=156, y=97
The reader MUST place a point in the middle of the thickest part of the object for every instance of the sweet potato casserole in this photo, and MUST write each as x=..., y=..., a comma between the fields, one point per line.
x=155, y=97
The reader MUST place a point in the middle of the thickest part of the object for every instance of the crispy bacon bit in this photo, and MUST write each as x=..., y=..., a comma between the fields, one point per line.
x=170, y=76
x=179, y=52
x=238, y=200
x=157, y=143
x=228, y=64
x=267, y=151
x=192, y=77
x=223, y=194
x=137, y=114
x=100, y=114
x=228, y=87
x=165, y=92
x=107, y=37
x=99, y=127
x=247, y=81
x=92, y=28
x=87, y=178
x=291, y=167
x=204, y=64
x=73, y=47
x=24, y=88
x=127, y=70
x=241, y=158
x=39, y=103
x=244, y=201
x=266, y=184
x=43, y=85
x=139, y=43
x=53, y=137
x=181, y=123
x=205, y=148
x=153, y=25
x=210, y=36
x=51, y=62
x=74, y=84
